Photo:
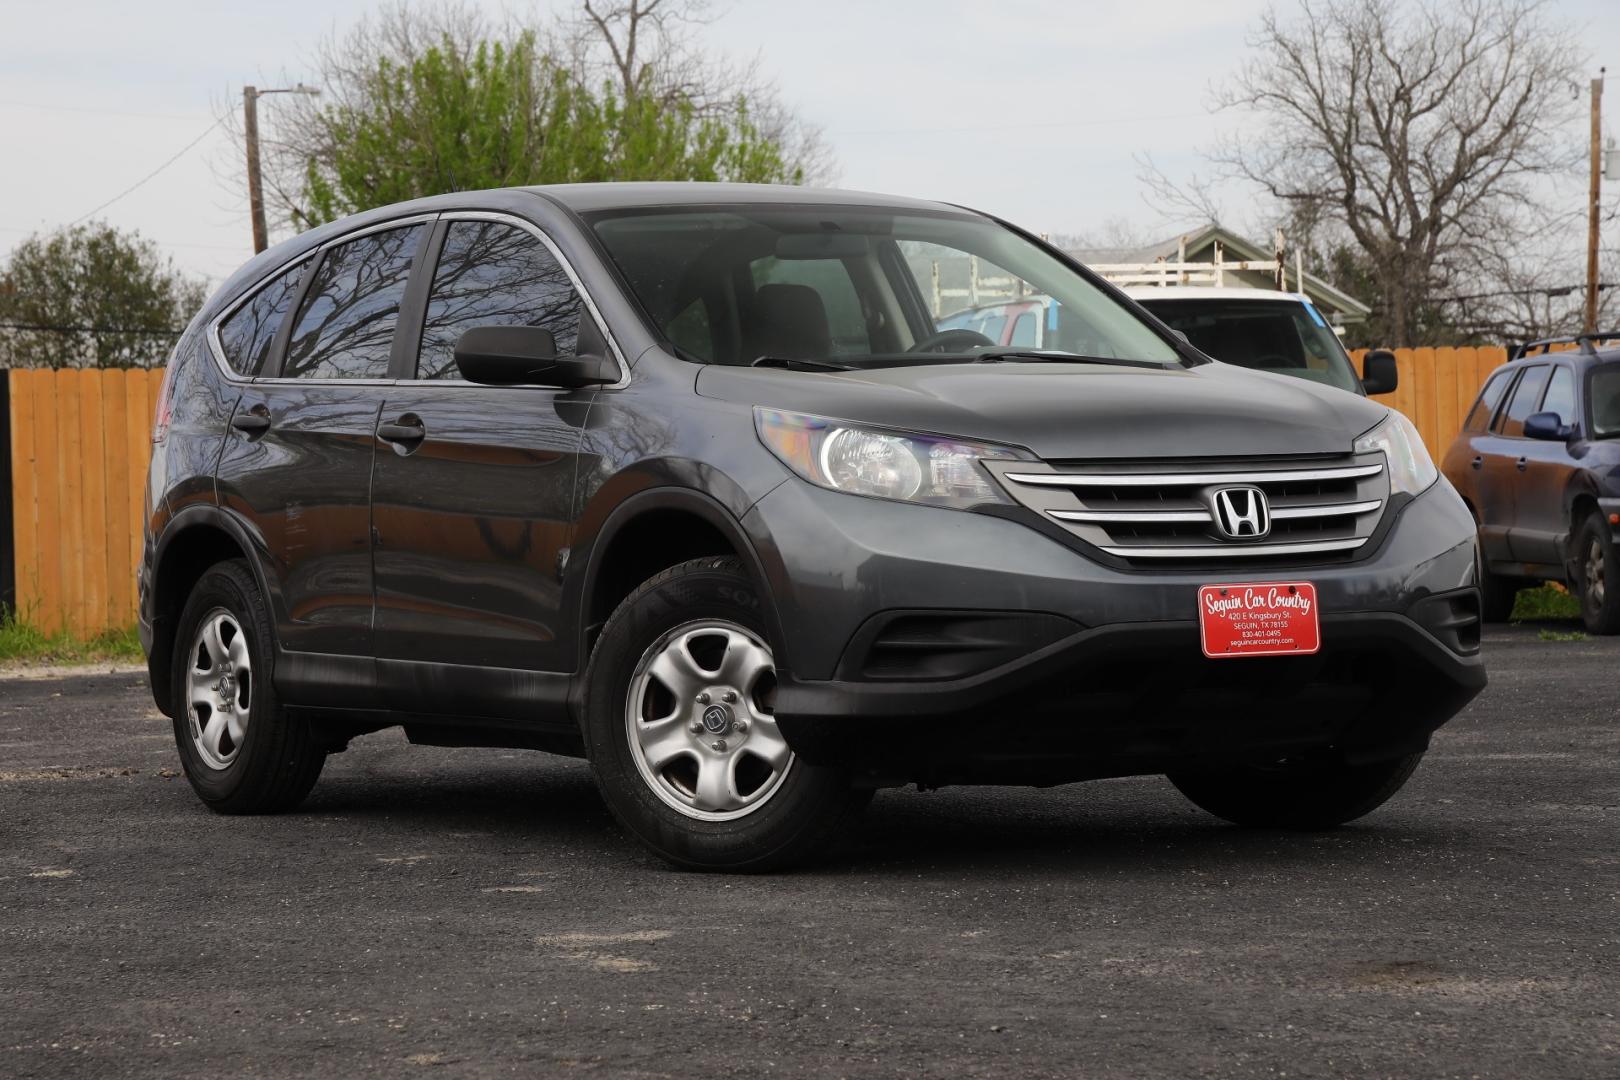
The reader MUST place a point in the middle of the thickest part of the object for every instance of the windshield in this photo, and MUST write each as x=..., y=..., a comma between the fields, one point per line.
x=1282, y=336
x=861, y=288
x=1606, y=401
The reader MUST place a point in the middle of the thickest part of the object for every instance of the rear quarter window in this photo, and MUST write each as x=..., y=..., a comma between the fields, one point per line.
x=247, y=336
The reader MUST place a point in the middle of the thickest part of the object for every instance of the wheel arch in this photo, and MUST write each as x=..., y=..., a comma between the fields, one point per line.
x=687, y=524
x=197, y=538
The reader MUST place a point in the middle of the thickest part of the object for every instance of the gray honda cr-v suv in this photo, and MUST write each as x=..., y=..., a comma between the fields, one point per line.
x=686, y=479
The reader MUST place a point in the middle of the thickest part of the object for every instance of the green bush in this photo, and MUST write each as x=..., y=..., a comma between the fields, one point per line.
x=22, y=641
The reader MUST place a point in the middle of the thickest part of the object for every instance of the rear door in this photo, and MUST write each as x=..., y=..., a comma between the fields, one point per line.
x=297, y=466
x=472, y=495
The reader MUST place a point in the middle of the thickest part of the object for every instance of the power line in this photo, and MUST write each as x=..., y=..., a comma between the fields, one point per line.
x=95, y=112
x=177, y=156
x=1029, y=126
x=64, y=329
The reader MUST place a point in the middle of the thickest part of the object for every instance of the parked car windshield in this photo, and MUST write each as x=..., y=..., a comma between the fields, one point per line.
x=1606, y=401
x=1281, y=336
x=853, y=287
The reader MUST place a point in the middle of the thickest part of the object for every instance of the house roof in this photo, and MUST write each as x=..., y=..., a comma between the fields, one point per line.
x=1236, y=249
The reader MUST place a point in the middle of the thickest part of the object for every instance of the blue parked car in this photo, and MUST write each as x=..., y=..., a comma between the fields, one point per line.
x=1538, y=462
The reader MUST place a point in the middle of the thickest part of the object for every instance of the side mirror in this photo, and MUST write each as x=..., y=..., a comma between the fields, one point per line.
x=519, y=355
x=1379, y=375
x=1547, y=425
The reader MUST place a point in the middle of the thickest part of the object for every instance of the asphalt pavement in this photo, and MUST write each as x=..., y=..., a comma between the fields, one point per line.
x=477, y=913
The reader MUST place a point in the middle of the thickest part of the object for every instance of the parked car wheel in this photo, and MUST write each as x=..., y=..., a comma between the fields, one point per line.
x=1597, y=576
x=1297, y=797
x=681, y=732
x=242, y=752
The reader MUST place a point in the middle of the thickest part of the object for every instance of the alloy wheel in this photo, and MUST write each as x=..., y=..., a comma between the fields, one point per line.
x=220, y=682
x=699, y=717
x=1596, y=590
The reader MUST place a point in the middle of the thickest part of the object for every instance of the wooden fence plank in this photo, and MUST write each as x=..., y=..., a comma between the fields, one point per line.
x=70, y=472
x=138, y=432
x=25, y=545
x=93, y=503
x=120, y=607
x=48, y=501
x=1446, y=421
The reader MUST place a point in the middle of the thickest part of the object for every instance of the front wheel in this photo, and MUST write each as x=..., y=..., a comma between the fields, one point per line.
x=1296, y=797
x=1597, y=576
x=681, y=731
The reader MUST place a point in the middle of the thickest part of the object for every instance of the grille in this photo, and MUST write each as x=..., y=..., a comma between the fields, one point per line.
x=1165, y=513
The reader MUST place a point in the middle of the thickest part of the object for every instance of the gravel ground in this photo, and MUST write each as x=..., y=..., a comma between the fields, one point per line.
x=471, y=912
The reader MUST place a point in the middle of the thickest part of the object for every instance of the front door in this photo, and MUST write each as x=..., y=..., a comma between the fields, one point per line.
x=472, y=493
x=1541, y=523
x=1501, y=454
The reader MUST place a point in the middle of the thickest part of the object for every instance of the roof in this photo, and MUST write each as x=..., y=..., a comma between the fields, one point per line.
x=1206, y=237
x=586, y=198
x=1200, y=292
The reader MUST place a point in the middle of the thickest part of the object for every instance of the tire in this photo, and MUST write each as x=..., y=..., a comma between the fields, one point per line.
x=708, y=784
x=265, y=761
x=1497, y=594
x=1597, y=576
x=1313, y=797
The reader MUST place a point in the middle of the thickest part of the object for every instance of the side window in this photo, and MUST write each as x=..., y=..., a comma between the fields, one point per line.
x=494, y=274
x=248, y=334
x=1526, y=396
x=829, y=279
x=1023, y=332
x=345, y=329
x=1561, y=395
x=1480, y=414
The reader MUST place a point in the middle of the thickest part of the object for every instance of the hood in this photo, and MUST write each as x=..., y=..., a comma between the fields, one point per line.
x=1073, y=411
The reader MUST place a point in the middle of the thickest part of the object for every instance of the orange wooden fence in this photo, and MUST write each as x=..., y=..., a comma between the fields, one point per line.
x=80, y=441
x=1437, y=388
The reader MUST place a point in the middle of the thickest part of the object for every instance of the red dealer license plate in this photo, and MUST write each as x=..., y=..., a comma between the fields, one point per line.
x=1272, y=618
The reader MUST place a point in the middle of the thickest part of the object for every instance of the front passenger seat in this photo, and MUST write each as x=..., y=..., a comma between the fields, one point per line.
x=788, y=321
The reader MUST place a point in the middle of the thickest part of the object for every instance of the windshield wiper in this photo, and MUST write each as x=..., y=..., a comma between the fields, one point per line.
x=798, y=365
x=1050, y=356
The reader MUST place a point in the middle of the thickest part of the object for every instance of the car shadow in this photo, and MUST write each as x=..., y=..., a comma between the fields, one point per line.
x=1140, y=823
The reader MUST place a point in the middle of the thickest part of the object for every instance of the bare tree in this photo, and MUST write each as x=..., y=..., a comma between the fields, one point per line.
x=653, y=48
x=1421, y=130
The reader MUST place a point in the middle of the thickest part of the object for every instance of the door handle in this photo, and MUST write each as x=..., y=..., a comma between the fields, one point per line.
x=1523, y=464
x=256, y=421
x=406, y=431
x=1479, y=461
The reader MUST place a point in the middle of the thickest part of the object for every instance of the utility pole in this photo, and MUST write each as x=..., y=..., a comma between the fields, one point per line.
x=1594, y=204
x=250, y=135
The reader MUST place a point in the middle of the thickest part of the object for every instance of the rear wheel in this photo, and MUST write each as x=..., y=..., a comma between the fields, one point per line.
x=1305, y=796
x=1497, y=594
x=1597, y=576
x=242, y=753
x=681, y=729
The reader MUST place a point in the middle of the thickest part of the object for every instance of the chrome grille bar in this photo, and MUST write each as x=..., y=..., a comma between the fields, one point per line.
x=1202, y=517
x=1257, y=476
x=1235, y=551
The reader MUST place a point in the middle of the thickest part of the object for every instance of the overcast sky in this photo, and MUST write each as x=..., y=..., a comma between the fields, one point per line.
x=1032, y=109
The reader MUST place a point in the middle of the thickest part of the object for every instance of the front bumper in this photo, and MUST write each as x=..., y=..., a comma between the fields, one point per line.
x=1112, y=679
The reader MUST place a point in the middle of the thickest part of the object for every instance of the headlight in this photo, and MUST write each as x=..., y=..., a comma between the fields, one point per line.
x=1410, y=468
x=925, y=469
